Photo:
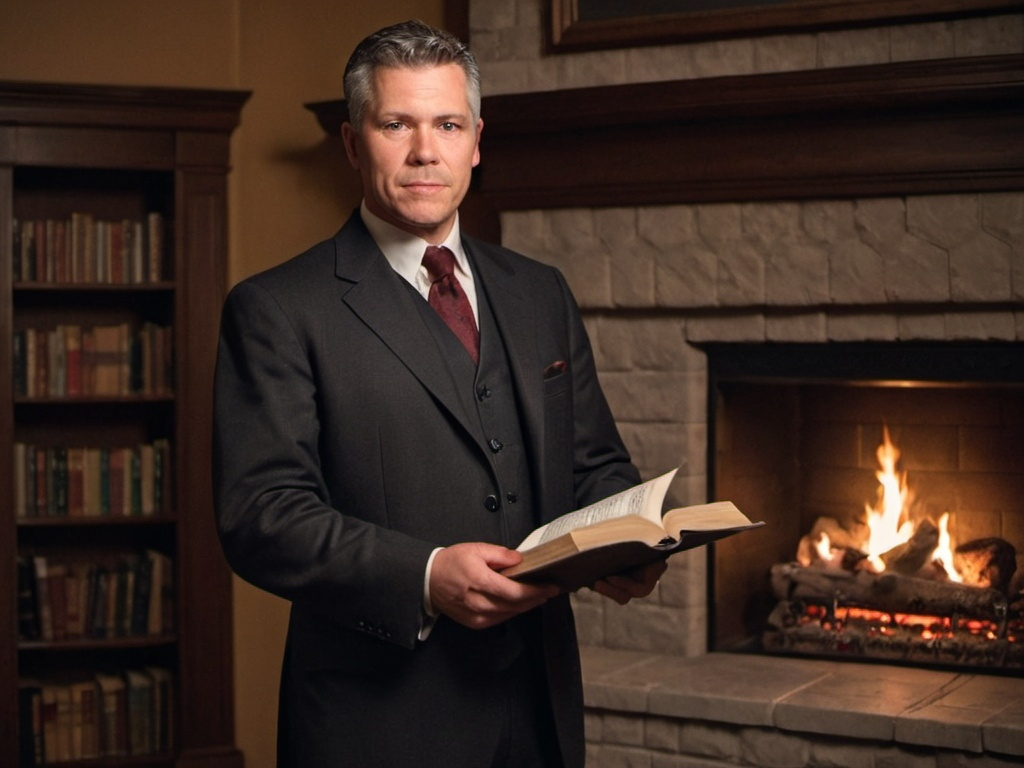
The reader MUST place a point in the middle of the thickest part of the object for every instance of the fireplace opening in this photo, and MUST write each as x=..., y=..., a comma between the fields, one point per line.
x=891, y=479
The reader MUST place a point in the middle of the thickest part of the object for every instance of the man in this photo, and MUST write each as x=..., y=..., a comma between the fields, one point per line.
x=376, y=467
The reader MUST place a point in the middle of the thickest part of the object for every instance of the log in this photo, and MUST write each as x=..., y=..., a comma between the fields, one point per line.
x=987, y=562
x=888, y=592
x=911, y=556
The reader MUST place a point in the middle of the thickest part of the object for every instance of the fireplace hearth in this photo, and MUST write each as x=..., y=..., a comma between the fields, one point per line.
x=812, y=439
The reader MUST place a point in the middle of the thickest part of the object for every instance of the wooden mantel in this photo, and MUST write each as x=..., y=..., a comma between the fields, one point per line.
x=940, y=126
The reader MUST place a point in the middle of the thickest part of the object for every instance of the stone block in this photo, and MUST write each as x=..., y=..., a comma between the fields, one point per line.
x=841, y=754
x=589, y=619
x=651, y=344
x=718, y=58
x=944, y=220
x=655, y=447
x=848, y=48
x=656, y=63
x=733, y=689
x=624, y=730
x=772, y=749
x=915, y=271
x=856, y=273
x=796, y=274
x=647, y=396
x=953, y=718
x=990, y=35
x=684, y=585
x=709, y=741
x=920, y=42
x=720, y=225
x=797, y=327
x=741, y=276
x=611, y=756
x=852, y=704
x=642, y=626
x=999, y=326
x=662, y=734
x=862, y=327
x=921, y=327
x=686, y=277
x=726, y=327
x=785, y=53
x=895, y=757
x=980, y=269
x=1003, y=216
x=524, y=231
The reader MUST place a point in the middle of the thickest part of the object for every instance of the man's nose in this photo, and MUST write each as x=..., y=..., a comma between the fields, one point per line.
x=423, y=148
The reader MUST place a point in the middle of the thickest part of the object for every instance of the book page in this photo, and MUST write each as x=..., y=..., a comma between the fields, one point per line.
x=643, y=500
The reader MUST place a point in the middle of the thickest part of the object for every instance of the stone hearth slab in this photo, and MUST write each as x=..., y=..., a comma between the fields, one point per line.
x=903, y=705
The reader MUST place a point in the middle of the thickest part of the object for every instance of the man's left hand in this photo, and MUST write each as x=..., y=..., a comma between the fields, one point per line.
x=639, y=582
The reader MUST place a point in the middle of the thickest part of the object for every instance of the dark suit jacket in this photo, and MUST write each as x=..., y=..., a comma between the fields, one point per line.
x=345, y=453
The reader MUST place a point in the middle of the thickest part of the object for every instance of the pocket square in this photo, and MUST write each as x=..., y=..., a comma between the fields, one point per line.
x=557, y=368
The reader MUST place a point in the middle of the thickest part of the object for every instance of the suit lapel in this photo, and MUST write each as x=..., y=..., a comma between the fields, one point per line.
x=379, y=296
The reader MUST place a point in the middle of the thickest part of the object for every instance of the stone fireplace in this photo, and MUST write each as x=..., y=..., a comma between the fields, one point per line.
x=859, y=187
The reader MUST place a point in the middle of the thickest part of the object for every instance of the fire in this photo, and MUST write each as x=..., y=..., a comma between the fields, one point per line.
x=944, y=551
x=884, y=520
x=889, y=524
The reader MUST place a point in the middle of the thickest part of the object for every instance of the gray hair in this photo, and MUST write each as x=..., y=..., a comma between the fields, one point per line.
x=411, y=44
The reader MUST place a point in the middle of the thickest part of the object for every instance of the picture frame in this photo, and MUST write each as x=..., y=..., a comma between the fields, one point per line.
x=581, y=25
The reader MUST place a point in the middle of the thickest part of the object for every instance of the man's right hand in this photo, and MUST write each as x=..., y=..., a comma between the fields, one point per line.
x=465, y=585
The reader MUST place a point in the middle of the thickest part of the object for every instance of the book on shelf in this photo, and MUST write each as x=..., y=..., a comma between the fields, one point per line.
x=110, y=360
x=84, y=249
x=77, y=481
x=99, y=596
x=30, y=723
x=91, y=715
x=622, y=532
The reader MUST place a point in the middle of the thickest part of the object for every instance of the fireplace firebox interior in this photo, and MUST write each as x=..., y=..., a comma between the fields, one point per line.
x=817, y=440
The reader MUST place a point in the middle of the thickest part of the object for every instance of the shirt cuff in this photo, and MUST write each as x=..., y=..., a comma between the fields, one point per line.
x=429, y=614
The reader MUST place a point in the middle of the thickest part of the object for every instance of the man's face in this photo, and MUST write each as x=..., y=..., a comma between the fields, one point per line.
x=416, y=148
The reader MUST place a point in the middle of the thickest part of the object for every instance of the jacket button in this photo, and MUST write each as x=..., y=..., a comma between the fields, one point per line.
x=511, y=497
x=495, y=444
x=483, y=392
x=491, y=503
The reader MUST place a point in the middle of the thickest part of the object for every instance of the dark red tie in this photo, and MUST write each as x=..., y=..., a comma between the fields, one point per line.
x=448, y=298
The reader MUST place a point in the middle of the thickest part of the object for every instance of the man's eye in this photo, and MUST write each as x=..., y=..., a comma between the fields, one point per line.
x=449, y=127
x=393, y=126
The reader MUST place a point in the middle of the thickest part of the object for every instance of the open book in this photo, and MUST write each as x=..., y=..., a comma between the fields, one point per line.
x=619, y=533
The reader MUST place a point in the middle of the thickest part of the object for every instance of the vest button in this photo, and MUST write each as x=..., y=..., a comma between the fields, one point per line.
x=511, y=497
x=495, y=445
x=491, y=503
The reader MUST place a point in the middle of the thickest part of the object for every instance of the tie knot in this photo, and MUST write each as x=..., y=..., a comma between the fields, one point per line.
x=439, y=262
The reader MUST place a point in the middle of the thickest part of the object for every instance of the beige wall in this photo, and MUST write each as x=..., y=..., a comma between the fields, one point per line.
x=290, y=185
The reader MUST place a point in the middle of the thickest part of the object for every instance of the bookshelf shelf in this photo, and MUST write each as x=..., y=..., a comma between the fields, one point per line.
x=113, y=232
x=115, y=644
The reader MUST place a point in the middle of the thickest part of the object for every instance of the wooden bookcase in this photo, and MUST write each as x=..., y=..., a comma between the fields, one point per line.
x=118, y=154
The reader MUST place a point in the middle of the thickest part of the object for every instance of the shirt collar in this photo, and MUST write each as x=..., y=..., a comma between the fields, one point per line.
x=404, y=251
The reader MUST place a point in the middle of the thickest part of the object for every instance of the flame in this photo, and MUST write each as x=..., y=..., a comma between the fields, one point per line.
x=888, y=522
x=824, y=547
x=886, y=530
x=944, y=551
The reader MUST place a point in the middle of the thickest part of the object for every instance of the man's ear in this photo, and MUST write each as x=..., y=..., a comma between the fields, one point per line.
x=350, y=137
